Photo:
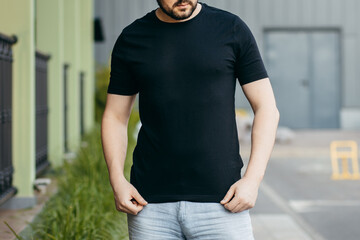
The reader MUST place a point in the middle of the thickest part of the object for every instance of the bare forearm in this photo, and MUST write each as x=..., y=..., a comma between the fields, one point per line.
x=114, y=142
x=262, y=141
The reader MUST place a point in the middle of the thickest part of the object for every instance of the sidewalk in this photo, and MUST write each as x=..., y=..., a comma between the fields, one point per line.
x=18, y=219
x=273, y=218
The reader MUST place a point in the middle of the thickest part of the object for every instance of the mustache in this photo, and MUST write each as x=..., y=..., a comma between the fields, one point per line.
x=182, y=2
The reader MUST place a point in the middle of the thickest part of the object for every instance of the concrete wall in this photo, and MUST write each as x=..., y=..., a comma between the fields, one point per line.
x=115, y=15
x=261, y=15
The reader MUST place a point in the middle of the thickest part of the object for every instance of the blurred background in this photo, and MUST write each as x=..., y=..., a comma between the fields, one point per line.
x=54, y=73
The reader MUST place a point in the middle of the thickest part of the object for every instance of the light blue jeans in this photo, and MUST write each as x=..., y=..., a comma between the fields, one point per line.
x=189, y=220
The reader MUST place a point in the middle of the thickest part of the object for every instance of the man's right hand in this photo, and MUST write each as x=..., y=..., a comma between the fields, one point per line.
x=127, y=198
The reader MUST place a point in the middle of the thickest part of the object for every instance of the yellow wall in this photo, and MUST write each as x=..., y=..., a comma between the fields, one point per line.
x=63, y=29
x=17, y=17
x=49, y=33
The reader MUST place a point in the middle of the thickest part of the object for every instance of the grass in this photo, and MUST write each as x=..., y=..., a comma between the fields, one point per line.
x=84, y=207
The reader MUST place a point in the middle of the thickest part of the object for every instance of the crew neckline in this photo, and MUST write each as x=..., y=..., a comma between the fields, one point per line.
x=183, y=22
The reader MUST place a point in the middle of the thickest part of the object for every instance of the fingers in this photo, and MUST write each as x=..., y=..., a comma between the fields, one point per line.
x=137, y=203
x=243, y=205
x=230, y=201
x=129, y=206
x=133, y=205
x=233, y=202
x=240, y=207
x=238, y=204
x=139, y=198
x=228, y=195
x=133, y=208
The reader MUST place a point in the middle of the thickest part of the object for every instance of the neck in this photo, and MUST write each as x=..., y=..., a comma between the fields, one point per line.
x=166, y=18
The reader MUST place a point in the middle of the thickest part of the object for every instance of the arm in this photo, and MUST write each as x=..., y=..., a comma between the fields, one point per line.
x=114, y=142
x=114, y=133
x=266, y=118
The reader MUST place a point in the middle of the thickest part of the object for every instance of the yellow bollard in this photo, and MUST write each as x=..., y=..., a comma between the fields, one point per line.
x=241, y=112
x=344, y=150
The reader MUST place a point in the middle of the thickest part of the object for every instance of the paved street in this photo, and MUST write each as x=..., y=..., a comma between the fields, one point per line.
x=297, y=198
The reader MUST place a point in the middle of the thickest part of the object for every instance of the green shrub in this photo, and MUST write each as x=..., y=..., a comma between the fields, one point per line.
x=84, y=207
x=102, y=77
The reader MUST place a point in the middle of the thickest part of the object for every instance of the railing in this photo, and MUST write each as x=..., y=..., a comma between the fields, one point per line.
x=65, y=69
x=41, y=112
x=6, y=167
x=82, y=124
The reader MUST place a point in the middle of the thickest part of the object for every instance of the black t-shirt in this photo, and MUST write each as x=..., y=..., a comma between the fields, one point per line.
x=185, y=73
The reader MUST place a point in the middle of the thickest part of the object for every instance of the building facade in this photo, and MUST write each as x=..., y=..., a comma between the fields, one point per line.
x=47, y=89
x=309, y=48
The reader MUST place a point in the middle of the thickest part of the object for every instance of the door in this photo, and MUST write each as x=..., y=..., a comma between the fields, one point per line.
x=304, y=68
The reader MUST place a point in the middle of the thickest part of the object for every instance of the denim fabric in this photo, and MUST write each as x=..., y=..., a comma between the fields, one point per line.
x=189, y=220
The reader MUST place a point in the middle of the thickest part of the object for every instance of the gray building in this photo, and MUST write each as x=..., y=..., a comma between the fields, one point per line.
x=310, y=48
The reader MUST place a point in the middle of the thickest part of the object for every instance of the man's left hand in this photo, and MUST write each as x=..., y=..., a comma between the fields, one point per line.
x=244, y=193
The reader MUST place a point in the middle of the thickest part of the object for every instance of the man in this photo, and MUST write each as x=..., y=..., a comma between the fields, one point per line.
x=184, y=59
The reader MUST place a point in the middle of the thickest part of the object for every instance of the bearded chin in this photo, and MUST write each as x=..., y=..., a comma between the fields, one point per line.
x=172, y=14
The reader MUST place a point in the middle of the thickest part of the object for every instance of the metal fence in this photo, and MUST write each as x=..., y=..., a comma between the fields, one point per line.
x=82, y=117
x=66, y=70
x=41, y=112
x=6, y=167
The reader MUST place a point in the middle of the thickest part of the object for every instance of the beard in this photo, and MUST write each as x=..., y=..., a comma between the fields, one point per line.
x=177, y=15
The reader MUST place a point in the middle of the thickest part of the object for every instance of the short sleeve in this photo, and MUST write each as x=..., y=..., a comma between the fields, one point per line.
x=122, y=81
x=249, y=65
